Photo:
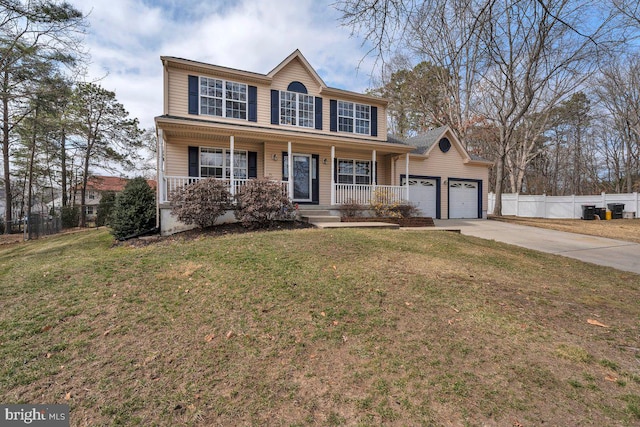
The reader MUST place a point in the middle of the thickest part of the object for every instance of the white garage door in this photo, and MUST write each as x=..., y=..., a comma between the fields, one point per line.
x=422, y=192
x=463, y=199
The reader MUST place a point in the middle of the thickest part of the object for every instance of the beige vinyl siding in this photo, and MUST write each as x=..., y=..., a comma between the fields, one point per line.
x=295, y=71
x=177, y=154
x=178, y=99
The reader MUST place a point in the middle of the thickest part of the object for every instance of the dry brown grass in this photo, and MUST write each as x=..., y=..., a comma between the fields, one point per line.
x=317, y=327
x=620, y=229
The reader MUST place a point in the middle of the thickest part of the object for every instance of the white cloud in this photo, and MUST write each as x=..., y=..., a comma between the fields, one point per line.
x=127, y=37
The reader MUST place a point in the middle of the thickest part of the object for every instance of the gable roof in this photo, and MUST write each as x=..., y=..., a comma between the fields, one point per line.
x=425, y=142
x=296, y=54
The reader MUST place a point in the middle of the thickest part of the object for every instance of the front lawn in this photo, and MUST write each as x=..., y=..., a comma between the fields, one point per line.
x=317, y=327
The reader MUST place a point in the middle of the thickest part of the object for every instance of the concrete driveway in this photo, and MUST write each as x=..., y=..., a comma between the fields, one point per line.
x=597, y=250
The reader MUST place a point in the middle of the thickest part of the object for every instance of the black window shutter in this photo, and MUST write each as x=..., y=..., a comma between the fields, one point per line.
x=253, y=164
x=335, y=170
x=315, y=181
x=374, y=121
x=333, y=115
x=253, y=103
x=275, y=104
x=318, y=113
x=193, y=94
x=194, y=163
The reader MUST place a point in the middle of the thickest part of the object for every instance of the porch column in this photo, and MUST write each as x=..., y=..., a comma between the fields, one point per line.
x=374, y=169
x=290, y=168
x=406, y=181
x=333, y=174
x=162, y=191
x=160, y=175
x=231, y=159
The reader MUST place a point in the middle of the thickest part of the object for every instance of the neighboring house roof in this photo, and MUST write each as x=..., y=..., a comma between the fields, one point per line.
x=110, y=183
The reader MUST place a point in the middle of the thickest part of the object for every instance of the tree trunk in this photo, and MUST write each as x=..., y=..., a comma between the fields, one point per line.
x=63, y=166
x=5, y=155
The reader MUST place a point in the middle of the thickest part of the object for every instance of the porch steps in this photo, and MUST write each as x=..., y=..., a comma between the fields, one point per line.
x=322, y=217
x=317, y=214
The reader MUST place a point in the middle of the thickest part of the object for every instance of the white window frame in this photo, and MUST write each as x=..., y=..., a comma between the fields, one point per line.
x=355, y=177
x=240, y=158
x=355, y=116
x=292, y=109
x=233, y=97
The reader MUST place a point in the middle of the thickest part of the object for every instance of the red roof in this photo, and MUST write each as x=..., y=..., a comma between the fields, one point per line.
x=111, y=183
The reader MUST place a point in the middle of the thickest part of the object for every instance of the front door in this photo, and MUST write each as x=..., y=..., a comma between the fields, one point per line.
x=302, y=177
x=305, y=177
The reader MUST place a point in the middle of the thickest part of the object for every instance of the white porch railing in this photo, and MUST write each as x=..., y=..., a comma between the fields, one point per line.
x=174, y=183
x=363, y=194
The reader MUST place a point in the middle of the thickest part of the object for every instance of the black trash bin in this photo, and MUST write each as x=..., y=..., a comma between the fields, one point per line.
x=601, y=213
x=616, y=210
x=588, y=212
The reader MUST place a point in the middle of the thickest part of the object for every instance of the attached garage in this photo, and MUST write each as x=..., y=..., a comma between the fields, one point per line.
x=445, y=181
x=465, y=199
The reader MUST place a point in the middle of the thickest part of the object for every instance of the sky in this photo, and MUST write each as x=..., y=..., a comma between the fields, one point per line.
x=126, y=38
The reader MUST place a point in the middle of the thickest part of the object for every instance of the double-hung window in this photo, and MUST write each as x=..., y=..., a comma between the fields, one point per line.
x=354, y=171
x=222, y=98
x=354, y=118
x=216, y=163
x=296, y=109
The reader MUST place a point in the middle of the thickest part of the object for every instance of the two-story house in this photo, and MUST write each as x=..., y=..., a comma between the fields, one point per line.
x=327, y=146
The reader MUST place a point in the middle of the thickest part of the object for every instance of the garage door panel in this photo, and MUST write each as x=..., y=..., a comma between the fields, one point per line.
x=463, y=199
x=423, y=194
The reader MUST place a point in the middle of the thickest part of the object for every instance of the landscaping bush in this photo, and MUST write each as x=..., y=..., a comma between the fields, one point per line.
x=384, y=206
x=351, y=209
x=70, y=216
x=201, y=203
x=134, y=210
x=260, y=202
x=105, y=207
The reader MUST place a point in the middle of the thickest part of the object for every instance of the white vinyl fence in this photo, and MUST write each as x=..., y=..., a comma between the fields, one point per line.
x=560, y=206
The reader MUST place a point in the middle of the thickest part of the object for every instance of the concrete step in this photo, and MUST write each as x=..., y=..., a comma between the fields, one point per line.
x=320, y=218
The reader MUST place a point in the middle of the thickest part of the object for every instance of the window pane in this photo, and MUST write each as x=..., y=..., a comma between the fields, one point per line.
x=345, y=179
x=305, y=110
x=210, y=96
x=288, y=108
x=362, y=167
x=345, y=167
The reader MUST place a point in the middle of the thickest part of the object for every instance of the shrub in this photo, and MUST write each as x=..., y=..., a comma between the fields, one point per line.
x=70, y=216
x=260, y=202
x=134, y=210
x=201, y=203
x=384, y=206
x=105, y=207
x=351, y=209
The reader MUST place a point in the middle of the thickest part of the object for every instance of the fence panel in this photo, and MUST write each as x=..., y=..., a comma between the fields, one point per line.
x=557, y=207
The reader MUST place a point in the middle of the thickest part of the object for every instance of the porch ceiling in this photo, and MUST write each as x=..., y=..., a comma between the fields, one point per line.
x=217, y=131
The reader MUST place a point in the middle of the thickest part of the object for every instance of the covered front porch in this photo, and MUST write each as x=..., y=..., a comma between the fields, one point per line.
x=321, y=174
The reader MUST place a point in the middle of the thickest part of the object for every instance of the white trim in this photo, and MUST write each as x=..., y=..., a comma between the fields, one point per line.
x=232, y=165
x=290, y=169
x=333, y=174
